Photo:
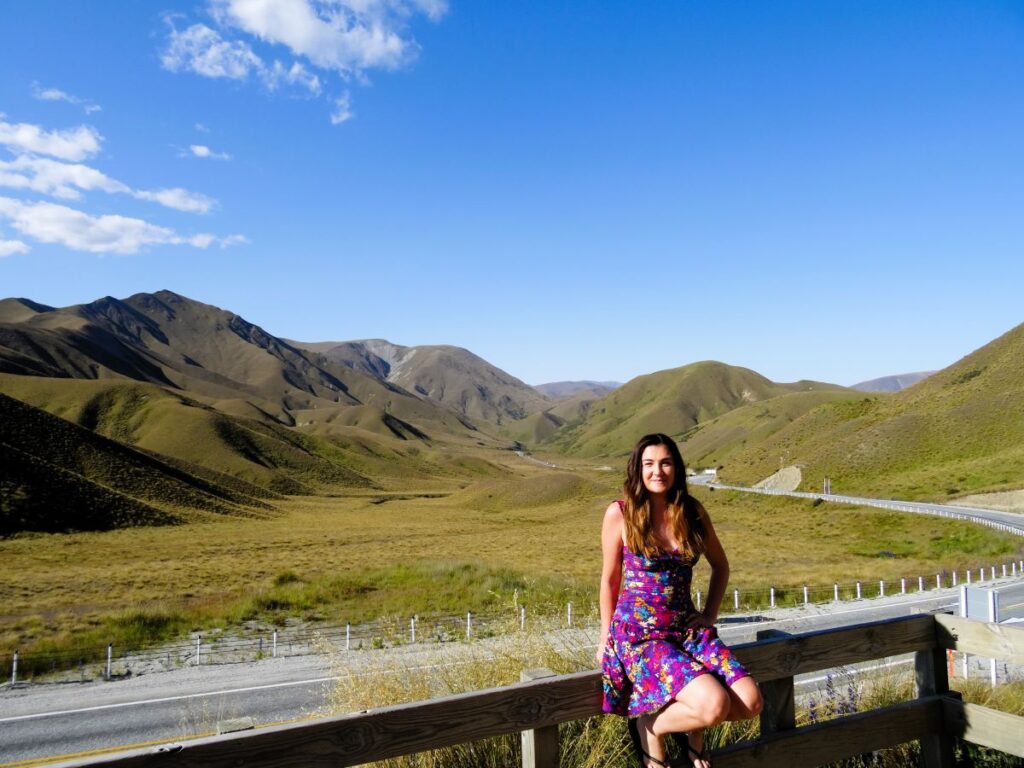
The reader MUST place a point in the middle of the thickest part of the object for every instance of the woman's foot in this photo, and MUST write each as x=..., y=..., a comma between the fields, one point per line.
x=695, y=751
x=650, y=749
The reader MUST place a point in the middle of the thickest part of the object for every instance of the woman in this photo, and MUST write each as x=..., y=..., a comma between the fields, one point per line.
x=662, y=660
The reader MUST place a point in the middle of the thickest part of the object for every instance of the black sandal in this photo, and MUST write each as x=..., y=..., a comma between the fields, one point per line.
x=642, y=756
x=692, y=755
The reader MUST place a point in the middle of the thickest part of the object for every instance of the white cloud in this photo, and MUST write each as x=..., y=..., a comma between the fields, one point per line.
x=71, y=144
x=179, y=199
x=201, y=150
x=342, y=109
x=52, y=177
x=226, y=242
x=202, y=128
x=202, y=50
x=10, y=247
x=296, y=74
x=52, y=223
x=55, y=94
x=68, y=180
x=342, y=37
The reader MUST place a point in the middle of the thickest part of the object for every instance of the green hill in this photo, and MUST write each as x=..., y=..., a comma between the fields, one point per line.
x=958, y=431
x=59, y=476
x=672, y=401
x=712, y=443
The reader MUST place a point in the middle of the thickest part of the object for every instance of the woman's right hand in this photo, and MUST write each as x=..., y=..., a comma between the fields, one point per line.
x=599, y=654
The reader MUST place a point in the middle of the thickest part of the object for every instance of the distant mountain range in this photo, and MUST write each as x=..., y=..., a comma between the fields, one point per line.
x=171, y=410
x=892, y=383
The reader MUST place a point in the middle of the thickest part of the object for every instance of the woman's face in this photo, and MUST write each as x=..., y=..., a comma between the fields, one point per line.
x=657, y=469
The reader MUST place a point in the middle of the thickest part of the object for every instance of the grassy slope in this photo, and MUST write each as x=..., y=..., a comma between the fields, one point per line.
x=167, y=423
x=712, y=443
x=959, y=431
x=59, y=476
x=210, y=354
x=450, y=376
x=531, y=537
x=671, y=401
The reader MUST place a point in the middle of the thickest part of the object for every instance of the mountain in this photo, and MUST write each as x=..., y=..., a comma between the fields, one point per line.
x=564, y=390
x=713, y=442
x=214, y=356
x=671, y=401
x=960, y=430
x=892, y=383
x=59, y=476
x=450, y=376
x=262, y=455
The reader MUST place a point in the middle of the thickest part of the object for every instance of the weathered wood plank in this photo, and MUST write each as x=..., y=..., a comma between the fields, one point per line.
x=540, y=745
x=932, y=678
x=995, y=641
x=779, y=711
x=834, y=740
x=378, y=734
x=813, y=651
x=986, y=727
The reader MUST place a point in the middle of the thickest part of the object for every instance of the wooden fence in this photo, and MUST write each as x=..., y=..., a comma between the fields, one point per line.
x=936, y=717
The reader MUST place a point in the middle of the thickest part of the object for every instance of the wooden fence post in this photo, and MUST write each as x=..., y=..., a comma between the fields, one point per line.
x=779, y=711
x=932, y=677
x=540, y=746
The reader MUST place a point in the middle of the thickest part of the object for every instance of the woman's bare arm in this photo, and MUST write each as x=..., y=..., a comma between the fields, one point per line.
x=719, y=563
x=611, y=569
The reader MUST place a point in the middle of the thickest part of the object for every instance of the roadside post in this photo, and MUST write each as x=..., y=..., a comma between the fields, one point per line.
x=982, y=604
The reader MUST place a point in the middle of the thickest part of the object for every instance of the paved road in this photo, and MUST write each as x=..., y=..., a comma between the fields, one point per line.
x=1011, y=522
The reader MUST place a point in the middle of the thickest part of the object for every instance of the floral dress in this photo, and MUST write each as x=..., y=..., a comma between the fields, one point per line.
x=650, y=655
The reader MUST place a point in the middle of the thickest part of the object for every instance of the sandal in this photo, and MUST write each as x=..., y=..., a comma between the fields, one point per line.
x=641, y=753
x=692, y=755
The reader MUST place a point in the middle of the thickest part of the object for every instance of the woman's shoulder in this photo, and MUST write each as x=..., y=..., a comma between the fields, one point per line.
x=615, y=509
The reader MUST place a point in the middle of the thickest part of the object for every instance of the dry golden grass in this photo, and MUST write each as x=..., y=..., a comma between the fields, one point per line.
x=529, y=539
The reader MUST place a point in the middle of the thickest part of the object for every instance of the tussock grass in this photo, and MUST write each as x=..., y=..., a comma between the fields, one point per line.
x=359, y=557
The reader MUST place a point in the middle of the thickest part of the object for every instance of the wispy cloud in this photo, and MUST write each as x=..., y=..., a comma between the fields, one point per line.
x=201, y=150
x=11, y=247
x=68, y=180
x=342, y=109
x=177, y=198
x=52, y=223
x=71, y=144
x=41, y=165
x=342, y=38
x=55, y=94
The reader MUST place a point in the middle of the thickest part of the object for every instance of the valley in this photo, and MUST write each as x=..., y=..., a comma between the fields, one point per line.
x=170, y=467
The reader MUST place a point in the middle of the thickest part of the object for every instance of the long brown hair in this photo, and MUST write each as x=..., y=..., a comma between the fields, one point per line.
x=683, y=516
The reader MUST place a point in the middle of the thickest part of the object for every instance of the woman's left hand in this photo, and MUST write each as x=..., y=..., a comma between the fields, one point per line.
x=699, y=620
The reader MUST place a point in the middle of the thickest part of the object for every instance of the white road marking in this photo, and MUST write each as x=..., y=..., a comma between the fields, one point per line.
x=165, y=699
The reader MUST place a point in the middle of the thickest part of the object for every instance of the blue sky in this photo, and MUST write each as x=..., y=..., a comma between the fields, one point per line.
x=571, y=190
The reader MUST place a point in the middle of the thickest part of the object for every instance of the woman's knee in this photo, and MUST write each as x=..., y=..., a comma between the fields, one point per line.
x=714, y=706
x=750, y=697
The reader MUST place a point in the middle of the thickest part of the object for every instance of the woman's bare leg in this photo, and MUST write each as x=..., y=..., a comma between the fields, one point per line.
x=745, y=700
x=703, y=702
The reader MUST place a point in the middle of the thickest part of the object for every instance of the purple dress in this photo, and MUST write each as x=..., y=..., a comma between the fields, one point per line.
x=650, y=656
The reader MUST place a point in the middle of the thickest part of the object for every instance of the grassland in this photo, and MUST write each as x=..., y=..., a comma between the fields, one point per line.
x=527, y=539
x=961, y=431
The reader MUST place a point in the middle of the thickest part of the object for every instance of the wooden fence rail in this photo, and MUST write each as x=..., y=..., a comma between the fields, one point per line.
x=536, y=707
